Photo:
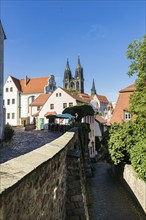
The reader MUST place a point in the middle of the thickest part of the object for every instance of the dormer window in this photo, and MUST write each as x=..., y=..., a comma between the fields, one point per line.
x=127, y=116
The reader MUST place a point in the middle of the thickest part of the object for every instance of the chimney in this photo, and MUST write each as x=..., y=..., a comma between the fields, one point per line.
x=26, y=80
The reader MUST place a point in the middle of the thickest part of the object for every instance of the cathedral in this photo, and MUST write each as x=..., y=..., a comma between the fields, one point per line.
x=76, y=82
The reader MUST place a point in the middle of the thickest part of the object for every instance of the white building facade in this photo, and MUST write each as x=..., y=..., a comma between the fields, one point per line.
x=55, y=104
x=18, y=94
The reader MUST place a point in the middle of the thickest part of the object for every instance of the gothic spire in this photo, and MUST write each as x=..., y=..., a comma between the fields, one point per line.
x=67, y=72
x=93, y=90
x=79, y=64
x=67, y=65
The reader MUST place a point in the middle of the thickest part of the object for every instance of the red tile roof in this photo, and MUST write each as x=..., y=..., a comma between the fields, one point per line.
x=102, y=99
x=130, y=88
x=76, y=97
x=34, y=85
x=50, y=114
x=40, y=100
x=31, y=85
x=122, y=104
x=85, y=96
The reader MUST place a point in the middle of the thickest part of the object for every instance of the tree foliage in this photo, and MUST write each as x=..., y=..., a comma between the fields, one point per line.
x=137, y=54
x=79, y=111
x=127, y=142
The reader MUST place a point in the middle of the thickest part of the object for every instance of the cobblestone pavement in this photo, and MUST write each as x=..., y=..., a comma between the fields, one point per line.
x=110, y=200
x=26, y=141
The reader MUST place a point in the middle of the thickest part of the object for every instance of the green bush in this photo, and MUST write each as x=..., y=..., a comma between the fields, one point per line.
x=8, y=133
x=138, y=158
x=127, y=143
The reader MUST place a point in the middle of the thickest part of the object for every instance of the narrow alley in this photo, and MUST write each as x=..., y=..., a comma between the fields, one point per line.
x=109, y=199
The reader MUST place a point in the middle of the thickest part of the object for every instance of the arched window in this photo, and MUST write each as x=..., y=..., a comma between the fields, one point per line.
x=72, y=85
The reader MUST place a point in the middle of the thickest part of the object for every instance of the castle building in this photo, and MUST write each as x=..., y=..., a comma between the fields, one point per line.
x=76, y=82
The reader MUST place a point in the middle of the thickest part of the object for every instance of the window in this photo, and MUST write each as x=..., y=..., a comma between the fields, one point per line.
x=127, y=116
x=8, y=101
x=70, y=104
x=59, y=94
x=64, y=105
x=51, y=106
x=56, y=94
x=11, y=89
x=38, y=108
x=13, y=115
x=8, y=115
x=7, y=90
x=13, y=101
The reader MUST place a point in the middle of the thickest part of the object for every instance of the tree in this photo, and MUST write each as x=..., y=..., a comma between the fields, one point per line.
x=127, y=142
x=79, y=111
x=137, y=54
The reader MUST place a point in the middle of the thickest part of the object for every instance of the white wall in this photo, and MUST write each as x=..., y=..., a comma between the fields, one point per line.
x=11, y=108
x=97, y=130
x=58, y=103
x=25, y=109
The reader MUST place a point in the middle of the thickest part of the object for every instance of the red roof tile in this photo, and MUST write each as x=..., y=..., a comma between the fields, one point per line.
x=130, y=88
x=102, y=99
x=76, y=97
x=50, y=114
x=40, y=100
x=85, y=96
x=34, y=85
x=122, y=104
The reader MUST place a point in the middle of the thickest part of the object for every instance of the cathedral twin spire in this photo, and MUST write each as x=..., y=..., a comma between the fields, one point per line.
x=76, y=82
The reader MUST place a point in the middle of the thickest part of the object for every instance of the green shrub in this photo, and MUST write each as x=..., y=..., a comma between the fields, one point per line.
x=138, y=158
x=8, y=133
x=122, y=140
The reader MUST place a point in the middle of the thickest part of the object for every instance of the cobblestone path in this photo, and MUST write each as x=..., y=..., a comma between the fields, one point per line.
x=110, y=201
x=26, y=141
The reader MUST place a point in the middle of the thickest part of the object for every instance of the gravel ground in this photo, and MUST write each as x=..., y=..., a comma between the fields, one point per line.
x=110, y=200
x=26, y=141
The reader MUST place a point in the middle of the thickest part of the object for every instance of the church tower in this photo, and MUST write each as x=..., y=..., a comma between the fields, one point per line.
x=79, y=79
x=93, y=90
x=76, y=82
x=67, y=76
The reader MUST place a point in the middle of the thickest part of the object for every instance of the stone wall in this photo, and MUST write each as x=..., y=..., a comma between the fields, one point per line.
x=38, y=185
x=137, y=185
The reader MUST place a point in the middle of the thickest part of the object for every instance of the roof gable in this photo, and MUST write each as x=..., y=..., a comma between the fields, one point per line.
x=17, y=83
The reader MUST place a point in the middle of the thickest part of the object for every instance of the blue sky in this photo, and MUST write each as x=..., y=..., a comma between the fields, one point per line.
x=42, y=34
